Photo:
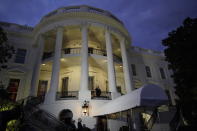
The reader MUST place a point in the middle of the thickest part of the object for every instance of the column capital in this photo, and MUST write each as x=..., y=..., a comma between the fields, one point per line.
x=84, y=24
x=121, y=37
x=108, y=28
x=59, y=27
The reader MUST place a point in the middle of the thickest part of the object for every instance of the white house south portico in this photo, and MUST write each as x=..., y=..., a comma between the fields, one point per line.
x=81, y=57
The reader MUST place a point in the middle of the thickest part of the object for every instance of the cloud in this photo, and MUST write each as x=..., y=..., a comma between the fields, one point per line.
x=147, y=21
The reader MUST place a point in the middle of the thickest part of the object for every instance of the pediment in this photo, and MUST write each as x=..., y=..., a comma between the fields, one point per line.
x=16, y=70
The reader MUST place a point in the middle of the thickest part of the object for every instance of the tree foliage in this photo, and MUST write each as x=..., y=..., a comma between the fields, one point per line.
x=6, y=50
x=181, y=53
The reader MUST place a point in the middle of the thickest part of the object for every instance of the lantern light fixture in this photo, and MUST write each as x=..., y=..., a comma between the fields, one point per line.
x=85, y=108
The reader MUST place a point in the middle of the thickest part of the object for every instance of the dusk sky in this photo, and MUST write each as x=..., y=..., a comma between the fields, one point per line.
x=148, y=21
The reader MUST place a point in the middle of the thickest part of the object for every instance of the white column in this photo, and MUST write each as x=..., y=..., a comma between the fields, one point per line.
x=110, y=64
x=126, y=71
x=36, y=68
x=51, y=94
x=84, y=92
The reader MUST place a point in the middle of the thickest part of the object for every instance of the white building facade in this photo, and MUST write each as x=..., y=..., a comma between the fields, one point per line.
x=71, y=52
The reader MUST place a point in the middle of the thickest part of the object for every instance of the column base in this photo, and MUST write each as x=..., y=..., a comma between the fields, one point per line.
x=114, y=95
x=50, y=98
x=85, y=95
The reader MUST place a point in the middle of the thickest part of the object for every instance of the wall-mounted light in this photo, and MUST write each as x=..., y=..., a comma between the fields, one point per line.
x=62, y=59
x=85, y=108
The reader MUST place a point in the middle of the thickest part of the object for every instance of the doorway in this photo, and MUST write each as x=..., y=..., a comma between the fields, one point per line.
x=101, y=123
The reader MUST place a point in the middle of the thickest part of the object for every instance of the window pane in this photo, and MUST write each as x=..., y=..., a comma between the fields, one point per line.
x=133, y=69
x=148, y=71
x=162, y=73
x=91, y=83
x=42, y=88
x=20, y=56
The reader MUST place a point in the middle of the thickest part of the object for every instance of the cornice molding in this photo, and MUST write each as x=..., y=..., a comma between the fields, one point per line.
x=77, y=17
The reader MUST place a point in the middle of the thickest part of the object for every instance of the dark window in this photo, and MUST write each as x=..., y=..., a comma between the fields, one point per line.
x=133, y=69
x=148, y=71
x=162, y=73
x=169, y=97
x=119, y=89
x=20, y=56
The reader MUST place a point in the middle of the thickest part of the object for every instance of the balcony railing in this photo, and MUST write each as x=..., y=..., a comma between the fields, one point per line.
x=72, y=50
x=78, y=51
x=67, y=95
x=90, y=51
x=97, y=51
x=103, y=96
x=47, y=55
x=81, y=9
x=117, y=58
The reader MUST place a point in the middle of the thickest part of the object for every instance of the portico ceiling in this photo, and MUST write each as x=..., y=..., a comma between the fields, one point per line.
x=76, y=61
x=72, y=33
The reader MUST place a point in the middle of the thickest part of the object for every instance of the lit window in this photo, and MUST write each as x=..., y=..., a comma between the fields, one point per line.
x=13, y=88
x=133, y=69
x=162, y=73
x=148, y=71
x=20, y=56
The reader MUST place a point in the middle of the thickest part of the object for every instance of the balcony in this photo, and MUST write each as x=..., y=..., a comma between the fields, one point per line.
x=67, y=51
x=67, y=95
x=72, y=50
x=90, y=51
x=103, y=96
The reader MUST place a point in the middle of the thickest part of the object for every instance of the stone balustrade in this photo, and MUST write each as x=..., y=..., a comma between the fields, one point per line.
x=82, y=9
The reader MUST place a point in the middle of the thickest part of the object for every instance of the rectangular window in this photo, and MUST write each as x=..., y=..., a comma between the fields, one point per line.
x=13, y=88
x=65, y=85
x=162, y=73
x=133, y=68
x=148, y=71
x=91, y=82
x=42, y=88
x=20, y=56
